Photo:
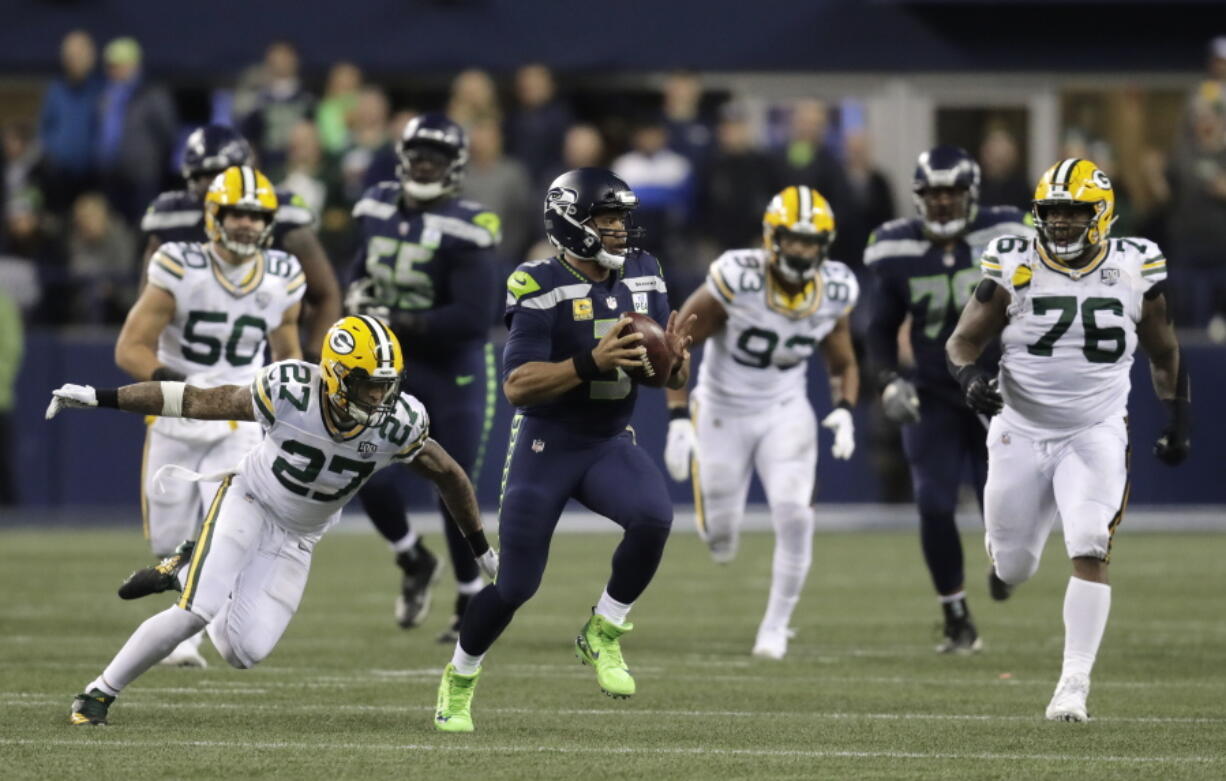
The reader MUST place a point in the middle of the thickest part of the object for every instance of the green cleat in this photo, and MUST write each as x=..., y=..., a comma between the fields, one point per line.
x=598, y=645
x=161, y=577
x=453, y=713
x=90, y=709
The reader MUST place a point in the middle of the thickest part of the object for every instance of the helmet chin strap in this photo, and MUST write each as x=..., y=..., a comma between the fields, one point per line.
x=945, y=230
x=424, y=191
x=609, y=260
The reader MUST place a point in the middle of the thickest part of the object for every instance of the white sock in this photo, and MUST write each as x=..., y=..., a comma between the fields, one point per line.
x=464, y=662
x=102, y=686
x=406, y=542
x=790, y=564
x=471, y=587
x=611, y=609
x=1086, y=606
x=946, y=599
x=148, y=645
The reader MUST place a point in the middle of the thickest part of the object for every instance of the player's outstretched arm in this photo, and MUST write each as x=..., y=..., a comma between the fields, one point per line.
x=323, y=293
x=436, y=464
x=982, y=321
x=1156, y=335
x=168, y=399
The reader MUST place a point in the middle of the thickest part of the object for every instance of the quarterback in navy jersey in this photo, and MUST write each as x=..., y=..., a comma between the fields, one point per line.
x=927, y=267
x=178, y=215
x=564, y=369
x=428, y=264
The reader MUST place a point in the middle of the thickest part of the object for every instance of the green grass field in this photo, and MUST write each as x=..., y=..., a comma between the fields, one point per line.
x=861, y=695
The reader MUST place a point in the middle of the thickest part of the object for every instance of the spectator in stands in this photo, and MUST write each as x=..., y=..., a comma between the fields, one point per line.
x=137, y=129
x=806, y=159
x=27, y=238
x=68, y=123
x=502, y=184
x=1212, y=91
x=309, y=174
x=689, y=133
x=340, y=98
x=281, y=103
x=23, y=163
x=1198, y=219
x=868, y=202
x=473, y=97
x=537, y=126
x=368, y=134
x=383, y=164
x=1004, y=183
x=11, y=347
x=740, y=181
x=101, y=262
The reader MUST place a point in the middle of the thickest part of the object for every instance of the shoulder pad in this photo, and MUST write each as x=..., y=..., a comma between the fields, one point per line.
x=461, y=226
x=292, y=209
x=172, y=209
x=902, y=238
x=379, y=201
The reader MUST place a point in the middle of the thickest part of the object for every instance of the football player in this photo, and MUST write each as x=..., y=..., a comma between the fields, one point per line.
x=205, y=315
x=764, y=312
x=327, y=428
x=427, y=263
x=1070, y=307
x=564, y=368
x=178, y=215
x=925, y=268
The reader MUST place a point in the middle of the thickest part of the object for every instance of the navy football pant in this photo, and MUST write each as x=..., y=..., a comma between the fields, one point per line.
x=546, y=466
x=459, y=398
x=948, y=440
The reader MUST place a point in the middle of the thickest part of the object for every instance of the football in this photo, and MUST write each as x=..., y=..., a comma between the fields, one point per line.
x=658, y=362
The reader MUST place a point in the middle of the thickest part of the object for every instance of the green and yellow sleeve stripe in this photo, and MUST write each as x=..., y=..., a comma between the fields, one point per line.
x=296, y=282
x=411, y=449
x=991, y=267
x=721, y=285
x=261, y=393
x=1154, y=267
x=168, y=264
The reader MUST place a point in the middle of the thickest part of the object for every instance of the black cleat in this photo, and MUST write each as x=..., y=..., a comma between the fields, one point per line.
x=961, y=637
x=160, y=577
x=452, y=633
x=90, y=709
x=997, y=588
x=421, y=571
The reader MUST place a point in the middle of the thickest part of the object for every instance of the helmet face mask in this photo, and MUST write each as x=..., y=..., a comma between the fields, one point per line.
x=365, y=400
x=240, y=190
x=797, y=229
x=797, y=255
x=432, y=154
x=1064, y=227
x=361, y=364
x=588, y=215
x=945, y=190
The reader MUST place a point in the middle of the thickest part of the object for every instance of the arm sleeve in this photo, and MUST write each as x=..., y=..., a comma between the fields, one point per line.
x=529, y=340
x=889, y=309
x=473, y=289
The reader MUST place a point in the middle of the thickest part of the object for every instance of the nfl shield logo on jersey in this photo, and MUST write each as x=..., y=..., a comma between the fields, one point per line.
x=366, y=449
x=611, y=302
x=1110, y=276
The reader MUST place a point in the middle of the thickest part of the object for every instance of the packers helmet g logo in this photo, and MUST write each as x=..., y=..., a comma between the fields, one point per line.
x=341, y=342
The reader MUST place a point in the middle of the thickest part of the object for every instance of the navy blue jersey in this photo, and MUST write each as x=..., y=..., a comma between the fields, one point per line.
x=554, y=311
x=177, y=215
x=931, y=282
x=439, y=263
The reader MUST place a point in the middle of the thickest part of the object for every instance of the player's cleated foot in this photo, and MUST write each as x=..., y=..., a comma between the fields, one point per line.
x=997, y=588
x=89, y=710
x=185, y=654
x=599, y=645
x=772, y=643
x=421, y=571
x=1069, y=701
x=961, y=637
x=453, y=712
x=161, y=577
x=452, y=633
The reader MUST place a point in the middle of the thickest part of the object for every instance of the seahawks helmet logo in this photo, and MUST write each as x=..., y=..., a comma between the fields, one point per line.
x=562, y=199
x=341, y=342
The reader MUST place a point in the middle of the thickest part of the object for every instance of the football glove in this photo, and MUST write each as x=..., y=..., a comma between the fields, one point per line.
x=74, y=396
x=488, y=563
x=362, y=299
x=1173, y=445
x=844, y=430
x=679, y=448
x=979, y=390
x=900, y=401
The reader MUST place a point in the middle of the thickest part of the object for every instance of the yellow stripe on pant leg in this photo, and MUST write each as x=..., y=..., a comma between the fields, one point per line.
x=203, y=544
x=144, y=475
x=700, y=519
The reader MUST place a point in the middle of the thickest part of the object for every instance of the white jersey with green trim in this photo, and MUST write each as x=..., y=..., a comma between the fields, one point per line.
x=306, y=469
x=1068, y=345
x=223, y=313
x=759, y=356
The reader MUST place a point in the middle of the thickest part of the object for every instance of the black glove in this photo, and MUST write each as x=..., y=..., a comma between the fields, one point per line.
x=1173, y=445
x=979, y=390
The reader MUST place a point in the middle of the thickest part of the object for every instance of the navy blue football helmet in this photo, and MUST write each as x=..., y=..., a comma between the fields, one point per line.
x=952, y=169
x=433, y=153
x=574, y=199
x=209, y=151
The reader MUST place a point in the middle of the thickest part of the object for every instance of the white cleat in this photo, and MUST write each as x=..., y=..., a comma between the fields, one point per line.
x=1069, y=701
x=185, y=655
x=772, y=643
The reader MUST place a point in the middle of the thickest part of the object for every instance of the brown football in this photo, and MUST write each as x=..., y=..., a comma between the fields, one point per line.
x=658, y=362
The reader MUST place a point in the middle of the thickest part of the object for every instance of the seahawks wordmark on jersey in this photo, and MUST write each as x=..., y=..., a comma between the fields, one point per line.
x=1071, y=335
x=757, y=357
x=306, y=469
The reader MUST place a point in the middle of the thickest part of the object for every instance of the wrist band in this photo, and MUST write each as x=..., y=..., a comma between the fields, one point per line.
x=585, y=365
x=477, y=542
x=167, y=374
x=680, y=412
x=107, y=397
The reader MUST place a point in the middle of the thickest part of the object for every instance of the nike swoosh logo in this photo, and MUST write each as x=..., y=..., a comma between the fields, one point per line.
x=465, y=379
